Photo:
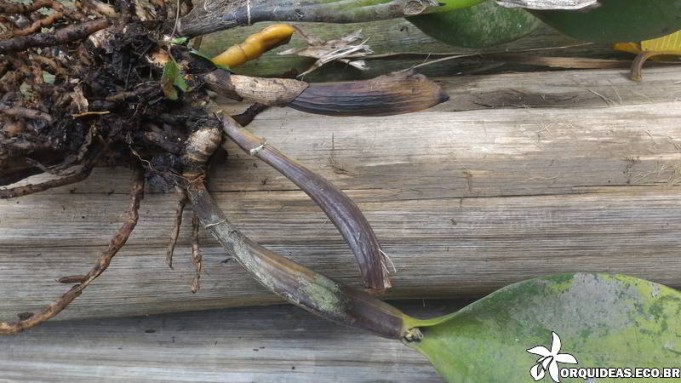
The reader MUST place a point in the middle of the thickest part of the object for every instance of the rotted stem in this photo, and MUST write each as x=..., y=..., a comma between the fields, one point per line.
x=216, y=15
x=298, y=285
x=340, y=209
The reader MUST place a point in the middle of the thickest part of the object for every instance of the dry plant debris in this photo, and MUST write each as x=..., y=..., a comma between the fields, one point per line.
x=342, y=50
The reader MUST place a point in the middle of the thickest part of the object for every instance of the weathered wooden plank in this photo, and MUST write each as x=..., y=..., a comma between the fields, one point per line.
x=586, y=178
x=274, y=344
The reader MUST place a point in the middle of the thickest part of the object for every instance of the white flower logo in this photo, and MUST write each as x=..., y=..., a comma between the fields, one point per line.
x=549, y=360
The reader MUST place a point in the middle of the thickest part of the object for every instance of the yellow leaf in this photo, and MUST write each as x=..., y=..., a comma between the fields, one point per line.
x=634, y=48
x=669, y=43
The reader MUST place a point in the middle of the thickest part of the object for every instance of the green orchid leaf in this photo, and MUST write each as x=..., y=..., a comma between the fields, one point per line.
x=180, y=82
x=199, y=54
x=170, y=72
x=483, y=25
x=179, y=40
x=172, y=79
x=551, y=327
x=617, y=20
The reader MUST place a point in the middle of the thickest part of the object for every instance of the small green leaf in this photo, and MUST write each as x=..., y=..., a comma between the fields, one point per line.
x=601, y=320
x=179, y=40
x=171, y=78
x=180, y=83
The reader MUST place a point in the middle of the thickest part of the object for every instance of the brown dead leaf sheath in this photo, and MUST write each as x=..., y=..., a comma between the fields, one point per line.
x=340, y=209
x=396, y=93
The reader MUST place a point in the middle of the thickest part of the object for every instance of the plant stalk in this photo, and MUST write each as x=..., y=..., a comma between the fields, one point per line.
x=217, y=15
x=297, y=284
x=340, y=209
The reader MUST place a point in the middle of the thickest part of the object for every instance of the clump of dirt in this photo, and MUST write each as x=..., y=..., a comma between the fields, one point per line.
x=87, y=89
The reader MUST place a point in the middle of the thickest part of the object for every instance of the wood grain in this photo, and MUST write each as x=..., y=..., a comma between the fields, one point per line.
x=274, y=344
x=570, y=171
